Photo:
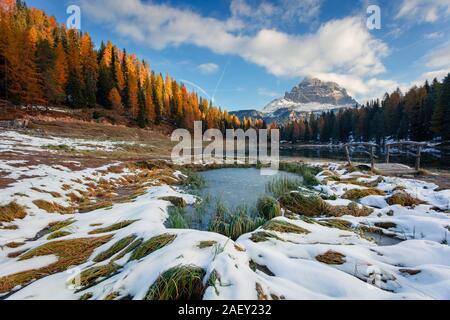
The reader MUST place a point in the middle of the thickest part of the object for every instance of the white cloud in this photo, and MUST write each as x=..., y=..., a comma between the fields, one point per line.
x=424, y=10
x=268, y=93
x=280, y=13
x=208, y=68
x=438, y=74
x=361, y=90
x=339, y=47
x=439, y=57
x=434, y=35
x=438, y=61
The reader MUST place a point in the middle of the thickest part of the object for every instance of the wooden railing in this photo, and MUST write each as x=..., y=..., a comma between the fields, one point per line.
x=418, y=145
x=372, y=147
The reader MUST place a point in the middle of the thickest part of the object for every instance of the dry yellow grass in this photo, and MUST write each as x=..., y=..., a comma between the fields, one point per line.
x=176, y=201
x=206, y=244
x=58, y=234
x=331, y=257
x=14, y=245
x=284, y=227
x=306, y=205
x=371, y=184
x=262, y=236
x=69, y=253
x=95, y=206
x=66, y=187
x=356, y=194
x=114, y=227
x=54, y=194
x=74, y=198
x=52, y=207
x=11, y=212
x=313, y=206
x=260, y=293
x=90, y=276
x=351, y=210
x=404, y=199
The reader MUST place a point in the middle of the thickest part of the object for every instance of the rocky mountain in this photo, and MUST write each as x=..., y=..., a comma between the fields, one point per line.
x=310, y=96
x=254, y=114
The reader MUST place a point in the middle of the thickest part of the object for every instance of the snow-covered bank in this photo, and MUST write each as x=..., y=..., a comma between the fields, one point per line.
x=290, y=258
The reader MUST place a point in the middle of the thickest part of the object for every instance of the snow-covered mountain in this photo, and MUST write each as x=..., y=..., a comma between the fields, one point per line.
x=310, y=96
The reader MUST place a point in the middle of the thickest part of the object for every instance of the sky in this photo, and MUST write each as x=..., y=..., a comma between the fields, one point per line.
x=243, y=54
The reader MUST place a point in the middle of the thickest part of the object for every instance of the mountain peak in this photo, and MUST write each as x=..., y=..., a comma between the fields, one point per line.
x=313, y=90
x=311, y=95
x=311, y=81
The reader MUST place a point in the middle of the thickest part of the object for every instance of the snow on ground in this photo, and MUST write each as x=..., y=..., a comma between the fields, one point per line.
x=287, y=264
x=13, y=141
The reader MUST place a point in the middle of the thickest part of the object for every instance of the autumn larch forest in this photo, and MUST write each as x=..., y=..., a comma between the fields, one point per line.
x=44, y=63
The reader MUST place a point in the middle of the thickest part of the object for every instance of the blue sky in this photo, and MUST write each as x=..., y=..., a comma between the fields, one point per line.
x=245, y=53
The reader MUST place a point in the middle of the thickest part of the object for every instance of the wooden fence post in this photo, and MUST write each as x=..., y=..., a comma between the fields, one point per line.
x=388, y=155
x=372, y=158
x=347, y=153
x=419, y=153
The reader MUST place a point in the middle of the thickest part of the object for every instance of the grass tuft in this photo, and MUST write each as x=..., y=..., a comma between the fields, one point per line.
x=14, y=245
x=356, y=194
x=55, y=226
x=176, y=201
x=177, y=219
x=234, y=223
x=307, y=205
x=86, y=296
x=91, y=276
x=313, y=206
x=54, y=194
x=206, y=244
x=410, y=272
x=331, y=257
x=114, y=227
x=268, y=207
x=115, y=248
x=95, y=206
x=58, y=234
x=214, y=277
x=308, y=172
x=69, y=252
x=52, y=207
x=263, y=236
x=129, y=249
x=385, y=225
x=193, y=179
x=284, y=227
x=353, y=209
x=279, y=186
x=11, y=212
x=152, y=245
x=260, y=292
x=336, y=223
x=178, y=283
x=264, y=269
x=404, y=199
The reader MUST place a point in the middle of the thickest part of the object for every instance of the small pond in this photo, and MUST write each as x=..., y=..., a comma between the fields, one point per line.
x=238, y=190
x=232, y=188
